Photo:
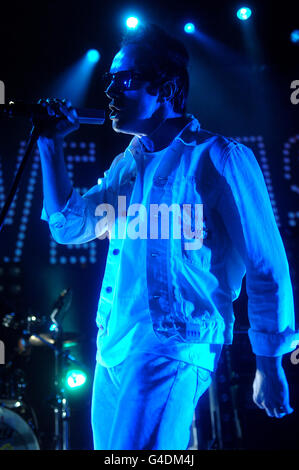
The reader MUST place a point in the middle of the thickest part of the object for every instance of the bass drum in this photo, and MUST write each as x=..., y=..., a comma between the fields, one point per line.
x=15, y=433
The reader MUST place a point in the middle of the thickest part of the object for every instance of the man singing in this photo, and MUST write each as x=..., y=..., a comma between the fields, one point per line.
x=165, y=306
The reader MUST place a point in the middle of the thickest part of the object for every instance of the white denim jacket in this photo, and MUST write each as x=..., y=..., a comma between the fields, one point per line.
x=190, y=292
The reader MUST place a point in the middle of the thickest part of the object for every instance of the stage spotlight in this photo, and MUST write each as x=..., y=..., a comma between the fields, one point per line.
x=244, y=13
x=75, y=378
x=295, y=36
x=189, y=28
x=93, y=56
x=132, y=22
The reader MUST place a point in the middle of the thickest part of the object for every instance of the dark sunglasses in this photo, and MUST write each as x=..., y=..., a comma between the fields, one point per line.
x=125, y=80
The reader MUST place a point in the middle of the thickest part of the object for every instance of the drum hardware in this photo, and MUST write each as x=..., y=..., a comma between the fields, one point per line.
x=60, y=403
x=58, y=342
x=18, y=422
x=61, y=407
x=35, y=331
x=8, y=320
x=62, y=358
x=45, y=339
x=15, y=432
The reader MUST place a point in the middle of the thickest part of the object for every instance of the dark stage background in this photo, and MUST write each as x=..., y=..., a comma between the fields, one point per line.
x=240, y=76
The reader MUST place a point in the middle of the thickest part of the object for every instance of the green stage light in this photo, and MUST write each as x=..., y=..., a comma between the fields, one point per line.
x=75, y=378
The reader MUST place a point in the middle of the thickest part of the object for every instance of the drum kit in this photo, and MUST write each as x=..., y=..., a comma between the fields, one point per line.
x=19, y=427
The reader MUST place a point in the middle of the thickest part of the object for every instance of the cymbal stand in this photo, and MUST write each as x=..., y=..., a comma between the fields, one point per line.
x=61, y=406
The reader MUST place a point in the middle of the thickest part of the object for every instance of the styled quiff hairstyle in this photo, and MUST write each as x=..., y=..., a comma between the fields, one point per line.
x=163, y=58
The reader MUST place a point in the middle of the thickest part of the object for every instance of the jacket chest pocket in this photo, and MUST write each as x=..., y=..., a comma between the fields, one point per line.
x=195, y=233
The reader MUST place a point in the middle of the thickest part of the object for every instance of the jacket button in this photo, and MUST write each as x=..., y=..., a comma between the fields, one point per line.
x=115, y=251
x=101, y=327
x=109, y=289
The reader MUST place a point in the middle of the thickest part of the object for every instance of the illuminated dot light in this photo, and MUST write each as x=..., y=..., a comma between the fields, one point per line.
x=24, y=219
x=53, y=251
x=258, y=148
x=290, y=151
x=2, y=195
x=89, y=156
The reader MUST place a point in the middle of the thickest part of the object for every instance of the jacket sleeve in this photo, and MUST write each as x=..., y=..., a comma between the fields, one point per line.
x=78, y=221
x=248, y=216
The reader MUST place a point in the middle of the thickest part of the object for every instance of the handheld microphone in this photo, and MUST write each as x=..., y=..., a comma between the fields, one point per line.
x=36, y=111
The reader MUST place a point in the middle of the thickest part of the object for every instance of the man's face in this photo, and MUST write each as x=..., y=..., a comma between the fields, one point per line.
x=134, y=111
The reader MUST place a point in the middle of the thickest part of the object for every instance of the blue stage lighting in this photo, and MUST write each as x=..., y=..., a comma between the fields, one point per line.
x=189, y=28
x=132, y=22
x=93, y=55
x=244, y=13
x=295, y=36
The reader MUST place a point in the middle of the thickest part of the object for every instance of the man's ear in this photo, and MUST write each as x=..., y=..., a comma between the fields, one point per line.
x=167, y=91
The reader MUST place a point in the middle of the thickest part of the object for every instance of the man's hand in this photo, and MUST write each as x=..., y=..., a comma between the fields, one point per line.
x=270, y=387
x=63, y=119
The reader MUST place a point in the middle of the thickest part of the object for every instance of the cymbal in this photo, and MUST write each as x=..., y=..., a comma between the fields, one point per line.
x=68, y=339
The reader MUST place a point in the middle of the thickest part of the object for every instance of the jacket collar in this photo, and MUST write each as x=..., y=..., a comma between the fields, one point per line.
x=187, y=135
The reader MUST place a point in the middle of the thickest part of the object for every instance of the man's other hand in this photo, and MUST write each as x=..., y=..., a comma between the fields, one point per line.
x=270, y=387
